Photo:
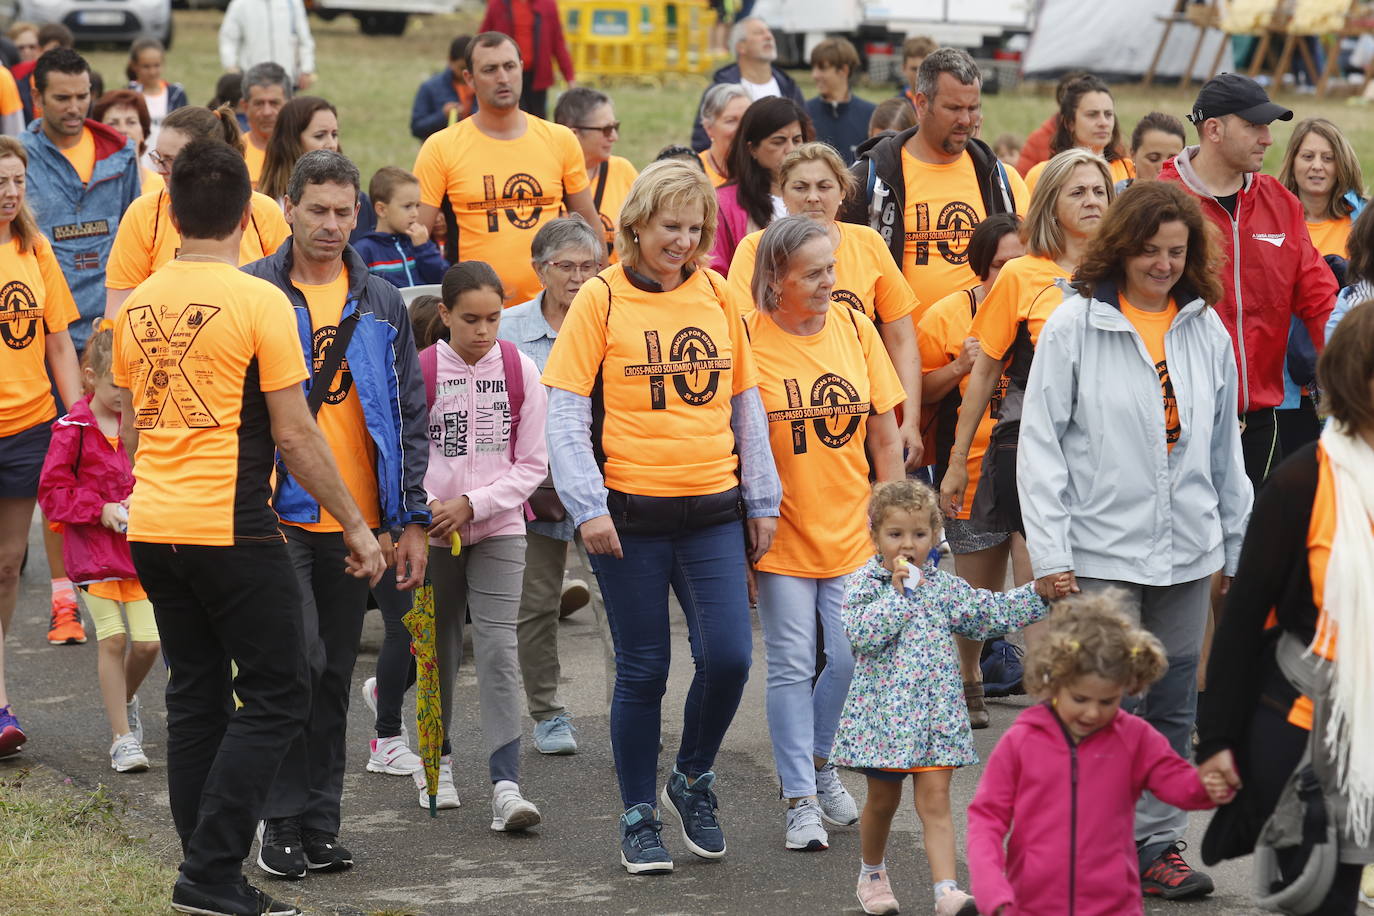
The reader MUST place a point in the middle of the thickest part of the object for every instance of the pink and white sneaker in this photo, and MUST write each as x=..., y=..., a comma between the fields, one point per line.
x=875, y=894
x=393, y=756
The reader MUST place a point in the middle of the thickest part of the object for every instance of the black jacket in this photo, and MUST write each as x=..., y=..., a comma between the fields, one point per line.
x=787, y=87
x=880, y=201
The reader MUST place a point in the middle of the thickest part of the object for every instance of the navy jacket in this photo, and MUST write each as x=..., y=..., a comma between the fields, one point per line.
x=730, y=74
x=427, y=114
x=394, y=257
x=844, y=125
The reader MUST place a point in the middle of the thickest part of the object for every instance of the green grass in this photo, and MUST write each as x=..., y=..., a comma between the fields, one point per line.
x=372, y=81
x=68, y=851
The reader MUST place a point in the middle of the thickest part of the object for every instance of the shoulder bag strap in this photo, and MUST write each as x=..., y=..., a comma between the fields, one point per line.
x=329, y=367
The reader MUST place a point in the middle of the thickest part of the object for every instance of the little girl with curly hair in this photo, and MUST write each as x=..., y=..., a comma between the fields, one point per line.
x=1066, y=776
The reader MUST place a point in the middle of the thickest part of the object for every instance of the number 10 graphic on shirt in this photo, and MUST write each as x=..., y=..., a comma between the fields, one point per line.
x=693, y=362
x=833, y=400
x=953, y=228
x=522, y=198
x=166, y=377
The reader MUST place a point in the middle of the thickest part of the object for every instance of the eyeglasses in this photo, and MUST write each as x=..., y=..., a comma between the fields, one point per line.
x=160, y=162
x=585, y=268
x=607, y=130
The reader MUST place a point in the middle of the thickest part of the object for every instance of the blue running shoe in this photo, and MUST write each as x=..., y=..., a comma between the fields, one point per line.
x=1002, y=669
x=641, y=849
x=11, y=735
x=695, y=806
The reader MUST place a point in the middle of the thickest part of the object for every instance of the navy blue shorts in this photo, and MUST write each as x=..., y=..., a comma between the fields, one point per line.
x=21, y=461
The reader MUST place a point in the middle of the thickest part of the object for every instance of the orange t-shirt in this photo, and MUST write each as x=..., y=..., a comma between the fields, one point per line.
x=866, y=278
x=818, y=391
x=1152, y=326
x=669, y=363
x=943, y=207
x=502, y=191
x=9, y=94
x=147, y=239
x=1330, y=236
x=341, y=415
x=122, y=590
x=196, y=345
x=1321, y=534
x=1023, y=294
x=1122, y=168
x=34, y=302
x=716, y=178
x=254, y=157
x=940, y=337
x=150, y=181
x=620, y=174
x=82, y=155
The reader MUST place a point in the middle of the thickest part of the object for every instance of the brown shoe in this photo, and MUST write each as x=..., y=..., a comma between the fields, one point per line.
x=977, y=710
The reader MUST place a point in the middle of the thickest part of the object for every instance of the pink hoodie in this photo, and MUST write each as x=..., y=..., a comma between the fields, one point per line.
x=1071, y=812
x=469, y=442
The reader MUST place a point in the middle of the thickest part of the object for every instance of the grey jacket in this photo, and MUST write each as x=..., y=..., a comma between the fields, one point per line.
x=1100, y=492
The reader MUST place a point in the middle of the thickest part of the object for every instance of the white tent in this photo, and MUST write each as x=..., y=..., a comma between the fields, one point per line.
x=1114, y=39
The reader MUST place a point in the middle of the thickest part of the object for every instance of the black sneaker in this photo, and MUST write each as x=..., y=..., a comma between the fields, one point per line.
x=1170, y=877
x=281, y=851
x=323, y=852
x=241, y=899
x=695, y=805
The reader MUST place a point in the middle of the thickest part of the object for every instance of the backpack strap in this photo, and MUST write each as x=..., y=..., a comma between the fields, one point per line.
x=429, y=368
x=515, y=386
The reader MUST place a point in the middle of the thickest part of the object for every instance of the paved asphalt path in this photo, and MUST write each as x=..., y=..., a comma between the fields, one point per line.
x=408, y=862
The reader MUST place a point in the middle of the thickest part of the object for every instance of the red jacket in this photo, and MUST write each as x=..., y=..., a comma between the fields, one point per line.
x=548, y=38
x=1036, y=149
x=80, y=475
x=1272, y=273
x=1070, y=813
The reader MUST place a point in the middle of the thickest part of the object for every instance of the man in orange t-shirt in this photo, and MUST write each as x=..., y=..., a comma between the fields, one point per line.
x=506, y=172
x=370, y=405
x=210, y=377
x=266, y=90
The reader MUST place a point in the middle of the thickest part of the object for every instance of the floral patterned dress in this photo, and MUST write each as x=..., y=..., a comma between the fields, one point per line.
x=906, y=705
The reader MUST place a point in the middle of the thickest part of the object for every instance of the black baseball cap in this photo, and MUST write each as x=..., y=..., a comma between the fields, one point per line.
x=1231, y=93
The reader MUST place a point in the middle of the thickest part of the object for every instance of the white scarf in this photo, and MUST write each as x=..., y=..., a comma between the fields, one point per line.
x=1348, y=601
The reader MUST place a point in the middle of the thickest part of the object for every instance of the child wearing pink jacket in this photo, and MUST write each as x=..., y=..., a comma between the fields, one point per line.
x=1063, y=781
x=487, y=454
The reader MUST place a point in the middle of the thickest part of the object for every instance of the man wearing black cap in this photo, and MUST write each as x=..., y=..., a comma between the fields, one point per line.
x=1273, y=273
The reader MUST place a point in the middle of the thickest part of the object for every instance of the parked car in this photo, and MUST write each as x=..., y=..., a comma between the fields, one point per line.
x=120, y=21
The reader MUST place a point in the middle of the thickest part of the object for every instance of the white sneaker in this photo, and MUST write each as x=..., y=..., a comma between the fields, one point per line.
x=509, y=809
x=135, y=720
x=447, y=796
x=837, y=805
x=370, y=695
x=804, y=830
x=393, y=757
x=126, y=755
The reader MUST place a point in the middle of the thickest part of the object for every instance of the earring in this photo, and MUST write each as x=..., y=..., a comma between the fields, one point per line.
x=636, y=237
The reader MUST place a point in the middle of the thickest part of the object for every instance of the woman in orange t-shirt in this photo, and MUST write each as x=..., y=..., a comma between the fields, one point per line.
x=36, y=309
x=1087, y=120
x=829, y=390
x=659, y=448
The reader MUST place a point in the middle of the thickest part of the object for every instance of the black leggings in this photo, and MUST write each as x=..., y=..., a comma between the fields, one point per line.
x=395, y=663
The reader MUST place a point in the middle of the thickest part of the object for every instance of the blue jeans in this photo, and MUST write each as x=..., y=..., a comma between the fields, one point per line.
x=802, y=719
x=705, y=568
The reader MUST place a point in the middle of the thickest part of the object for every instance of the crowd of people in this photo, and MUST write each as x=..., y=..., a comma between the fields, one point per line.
x=1130, y=376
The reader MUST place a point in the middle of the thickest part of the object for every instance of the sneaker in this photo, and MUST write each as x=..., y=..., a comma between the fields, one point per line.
x=131, y=709
x=875, y=894
x=447, y=795
x=1170, y=877
x=641, y=848
x=1002, y=669
x=575, y=596
x=555, y=736
x=977, y=709
x=955, y=903
x=281, y=851
x=241, y=899
x=11, y=735
x=65, y=628
x=323, y=852
x=370, y=695
x=510, y=811
x=393, y=757
x=837, y=805
x=695, y=806
x=126, y=755
x=804, y=830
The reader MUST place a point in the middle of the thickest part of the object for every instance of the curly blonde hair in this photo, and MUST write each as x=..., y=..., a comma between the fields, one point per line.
x=1090, y=635
x=904, y=496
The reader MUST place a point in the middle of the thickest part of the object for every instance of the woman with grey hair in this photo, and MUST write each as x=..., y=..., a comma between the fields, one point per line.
x=565, y=253
x=829, y=389
x=590, y=115
x=721, y=110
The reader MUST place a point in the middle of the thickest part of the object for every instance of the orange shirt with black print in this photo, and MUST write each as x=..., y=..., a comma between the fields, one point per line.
x=818, y=391
x=197, y=344
x=34, y=302
x=866, y=278
x=620, y=174
x=502, y=192
x=943, y=206
x=668, y=364
x=1152, y=327
x=341, y=414
x=147, y=239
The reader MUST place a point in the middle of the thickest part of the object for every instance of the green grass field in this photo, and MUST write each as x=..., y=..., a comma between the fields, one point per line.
x=372, y=81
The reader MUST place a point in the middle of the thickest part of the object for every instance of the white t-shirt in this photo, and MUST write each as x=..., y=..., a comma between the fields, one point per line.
x=779, y=208
x=157, y=113
x=761, y=90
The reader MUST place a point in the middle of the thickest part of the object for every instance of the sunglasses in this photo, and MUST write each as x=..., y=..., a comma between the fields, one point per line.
x=609, y=130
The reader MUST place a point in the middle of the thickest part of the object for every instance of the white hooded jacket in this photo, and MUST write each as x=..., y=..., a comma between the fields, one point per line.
x=255, y=31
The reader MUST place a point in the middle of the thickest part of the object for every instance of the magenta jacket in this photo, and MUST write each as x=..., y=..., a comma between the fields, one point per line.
x=732, y=225
x=80, y=475
x=1070, y=810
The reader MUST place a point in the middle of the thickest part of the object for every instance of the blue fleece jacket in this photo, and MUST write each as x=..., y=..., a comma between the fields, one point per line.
x=396, y=259
x=844, y=125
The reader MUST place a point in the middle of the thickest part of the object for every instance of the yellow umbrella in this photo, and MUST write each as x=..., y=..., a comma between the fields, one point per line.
x=419, y=620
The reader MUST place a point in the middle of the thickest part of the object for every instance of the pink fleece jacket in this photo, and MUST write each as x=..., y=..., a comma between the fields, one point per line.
x=469, y=442
x=1070, y=811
